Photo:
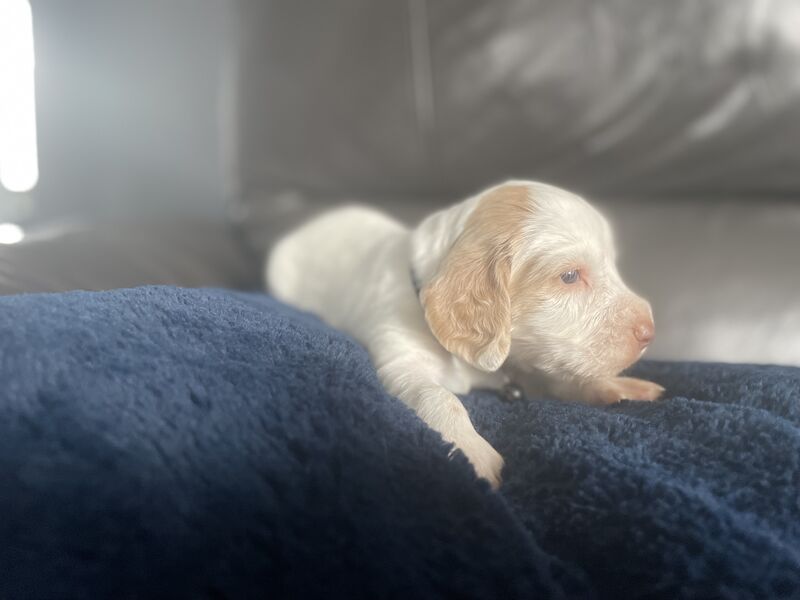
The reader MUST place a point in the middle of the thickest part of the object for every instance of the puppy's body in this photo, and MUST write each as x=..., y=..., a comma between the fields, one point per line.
x=322, y=268
x=475, y=287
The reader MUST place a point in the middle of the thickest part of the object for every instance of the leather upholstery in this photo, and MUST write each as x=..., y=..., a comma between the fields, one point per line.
x=441, y=97
x=190, y=252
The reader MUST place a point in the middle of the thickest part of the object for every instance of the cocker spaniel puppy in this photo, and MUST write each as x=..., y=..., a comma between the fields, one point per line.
x=518, y=282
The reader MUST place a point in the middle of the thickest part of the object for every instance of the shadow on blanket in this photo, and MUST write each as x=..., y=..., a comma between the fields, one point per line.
x=184, y=443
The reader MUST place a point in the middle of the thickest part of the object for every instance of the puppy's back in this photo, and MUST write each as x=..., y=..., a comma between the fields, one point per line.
x=317, y=263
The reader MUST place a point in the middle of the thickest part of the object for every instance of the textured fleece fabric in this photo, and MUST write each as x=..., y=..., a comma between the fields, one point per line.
x=163, y=442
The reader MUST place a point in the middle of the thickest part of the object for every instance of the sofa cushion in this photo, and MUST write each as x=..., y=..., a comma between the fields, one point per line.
x=93, y=255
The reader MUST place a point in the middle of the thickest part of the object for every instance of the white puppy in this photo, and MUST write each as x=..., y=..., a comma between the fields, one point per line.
x=518, y=281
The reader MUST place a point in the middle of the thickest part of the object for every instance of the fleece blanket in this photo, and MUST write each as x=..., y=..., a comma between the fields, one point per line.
x=163, y=442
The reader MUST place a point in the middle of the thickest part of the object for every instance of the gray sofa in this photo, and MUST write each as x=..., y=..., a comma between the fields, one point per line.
x=680, y=119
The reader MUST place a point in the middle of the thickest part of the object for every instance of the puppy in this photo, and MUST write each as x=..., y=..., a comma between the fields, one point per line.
x=518, y=281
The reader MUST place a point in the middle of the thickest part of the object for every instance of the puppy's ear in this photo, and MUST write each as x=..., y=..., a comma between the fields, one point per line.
x=467, y=303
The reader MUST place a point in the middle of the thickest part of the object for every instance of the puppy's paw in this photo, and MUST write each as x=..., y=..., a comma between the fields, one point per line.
x=615, y=389
x=486, y=461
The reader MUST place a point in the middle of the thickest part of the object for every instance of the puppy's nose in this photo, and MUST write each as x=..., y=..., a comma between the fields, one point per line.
x=644, y=331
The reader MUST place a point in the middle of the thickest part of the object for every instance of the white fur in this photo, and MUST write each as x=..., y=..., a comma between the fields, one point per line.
x=353, y=267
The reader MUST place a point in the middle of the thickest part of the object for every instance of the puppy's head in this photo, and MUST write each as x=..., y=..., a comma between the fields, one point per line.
x=531, y=278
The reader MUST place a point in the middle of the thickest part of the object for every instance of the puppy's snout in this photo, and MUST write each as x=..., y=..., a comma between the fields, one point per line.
x=644, y=330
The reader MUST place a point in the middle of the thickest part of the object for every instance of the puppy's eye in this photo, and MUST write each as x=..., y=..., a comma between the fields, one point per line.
x=571, y=276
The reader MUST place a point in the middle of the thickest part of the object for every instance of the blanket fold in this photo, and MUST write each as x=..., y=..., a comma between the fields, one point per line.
x=165, y=442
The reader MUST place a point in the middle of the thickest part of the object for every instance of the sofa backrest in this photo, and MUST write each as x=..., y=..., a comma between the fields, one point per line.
x=437, y=98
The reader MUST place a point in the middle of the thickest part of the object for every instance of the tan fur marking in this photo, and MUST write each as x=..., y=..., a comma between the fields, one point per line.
x=467, y=303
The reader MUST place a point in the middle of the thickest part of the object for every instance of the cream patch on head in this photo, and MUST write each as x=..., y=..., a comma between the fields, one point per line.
x=467, y=302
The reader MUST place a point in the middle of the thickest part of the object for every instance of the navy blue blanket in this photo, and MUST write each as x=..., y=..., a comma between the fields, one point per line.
x=161, y=442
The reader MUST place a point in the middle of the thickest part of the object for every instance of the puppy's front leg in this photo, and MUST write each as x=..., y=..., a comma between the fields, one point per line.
x=609, y=390
x=445, y=413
